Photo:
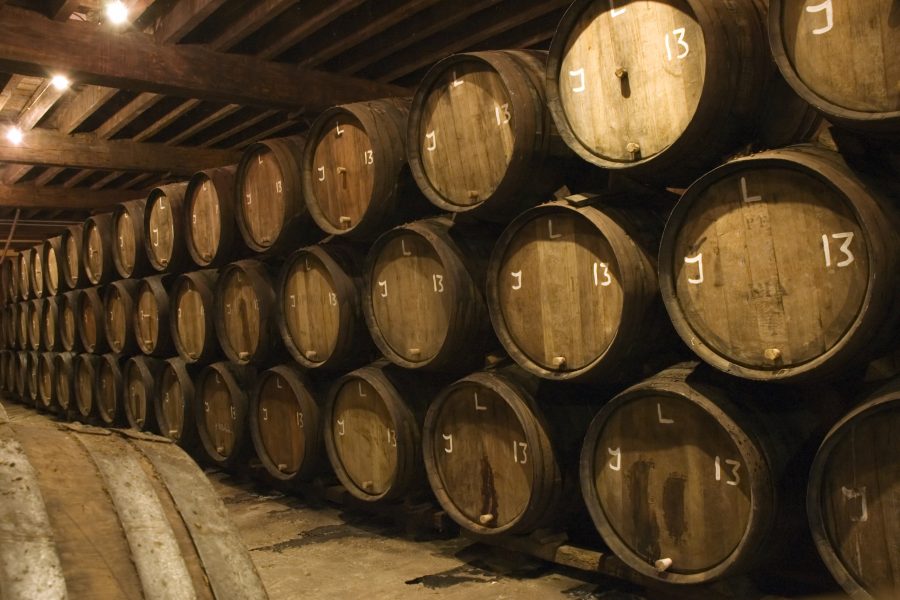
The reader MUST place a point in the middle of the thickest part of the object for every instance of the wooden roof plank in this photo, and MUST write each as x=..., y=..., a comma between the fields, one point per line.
x=183, y=18
x=49, y=148
x=29, y=196
x=307, y=26
x=30, y=43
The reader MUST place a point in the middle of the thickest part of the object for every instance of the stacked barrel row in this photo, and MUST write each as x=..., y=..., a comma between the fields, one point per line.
x=778, y=269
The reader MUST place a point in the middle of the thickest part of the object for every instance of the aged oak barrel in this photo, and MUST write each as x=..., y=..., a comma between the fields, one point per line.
x=151, y=317
x=90, y=321
x=150, y=525
x=52, y=257
x=272, y=217
x=64, y=383
x=286, y=425
x=193, y=326
x=97, y=249
x=109, y=391
x=9, y=283
x=10, y=320
x=841, y=57
x=783, y=266
x=245, y=313
x=690, y=478
x=73, y=275
x=35, y=309
x=497, y=458
x=46, y=381
x=493, y=102
x=50, y=324
x=212, y=237
x=140, y=377
x=667, y=89
x=7, y=372
x=854, y=491
x=37, y=270
x=320, y=315
x=22, y=360
x=164, y=219
x=128, y=252
x=373, y=421
x=118, y=310
x=85, y=368
x=424, y=302
x=221, y=401
x=32, y=384
x=174, y=404
x=572, y=289
x=67, y=314
x=355, y=180
x=24, y=273
x=23, y=322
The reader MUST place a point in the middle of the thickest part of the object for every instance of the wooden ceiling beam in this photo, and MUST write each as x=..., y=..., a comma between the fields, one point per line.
x=416, y=29
x=365, y=31
x=78, y=177
x=183, y=18
x=251, y=22
x=242, y=126
x=29, y=196
x=307, y=25
x=49, y=148
x=498, y=24
x=31, y=43
x=202, y=124
x=61, y=10
x=105, y=181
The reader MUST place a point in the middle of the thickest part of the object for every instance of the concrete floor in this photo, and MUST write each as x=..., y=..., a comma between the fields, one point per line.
x=308, y=549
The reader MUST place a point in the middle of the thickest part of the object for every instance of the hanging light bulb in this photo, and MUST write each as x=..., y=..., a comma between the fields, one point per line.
x=14, y=135
x=116, y=12
x=60, y=82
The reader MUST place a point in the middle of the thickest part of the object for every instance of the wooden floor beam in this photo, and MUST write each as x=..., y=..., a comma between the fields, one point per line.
x=29, y=196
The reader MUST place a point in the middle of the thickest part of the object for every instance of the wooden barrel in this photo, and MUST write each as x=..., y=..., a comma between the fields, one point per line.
x=9, y=326
x=272, y=217
x=23, y=322
x=572, y=290
x=37, y=270
x=424, y=302
x=472, y=430
x=90, y=321
x=211, y=234
x=9, y=284
x=51, y=257
x=355, y=180
x=50, y=324
x=22, y=359
x=64, y=382
x=783, y=265
x=666, y=90
x=35, y=309
x=140, y=377
x=118, y=310
x=373, y=423
x=32, y=383
x=193, y=328
x=128, y=252
x=854, y=489
x=495, y=102
x=46, y=380
x=817, y=47
x=151, y=317
x=73, y=276
x=174, y=404
x=109, y=391
x=245, y=313
x=7, y=372
x=320, y=307
x=285, y=424
x=150, y=526
x=689, y=481
x=24, y=272
x=97, y=249
x=221, y=400
x=67, y=313
x=164, y=220
x=85, y=369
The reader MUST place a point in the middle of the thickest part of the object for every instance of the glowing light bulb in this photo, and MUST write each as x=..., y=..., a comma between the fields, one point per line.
x=60, y=82
x=14, y=135
x=116, y=12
